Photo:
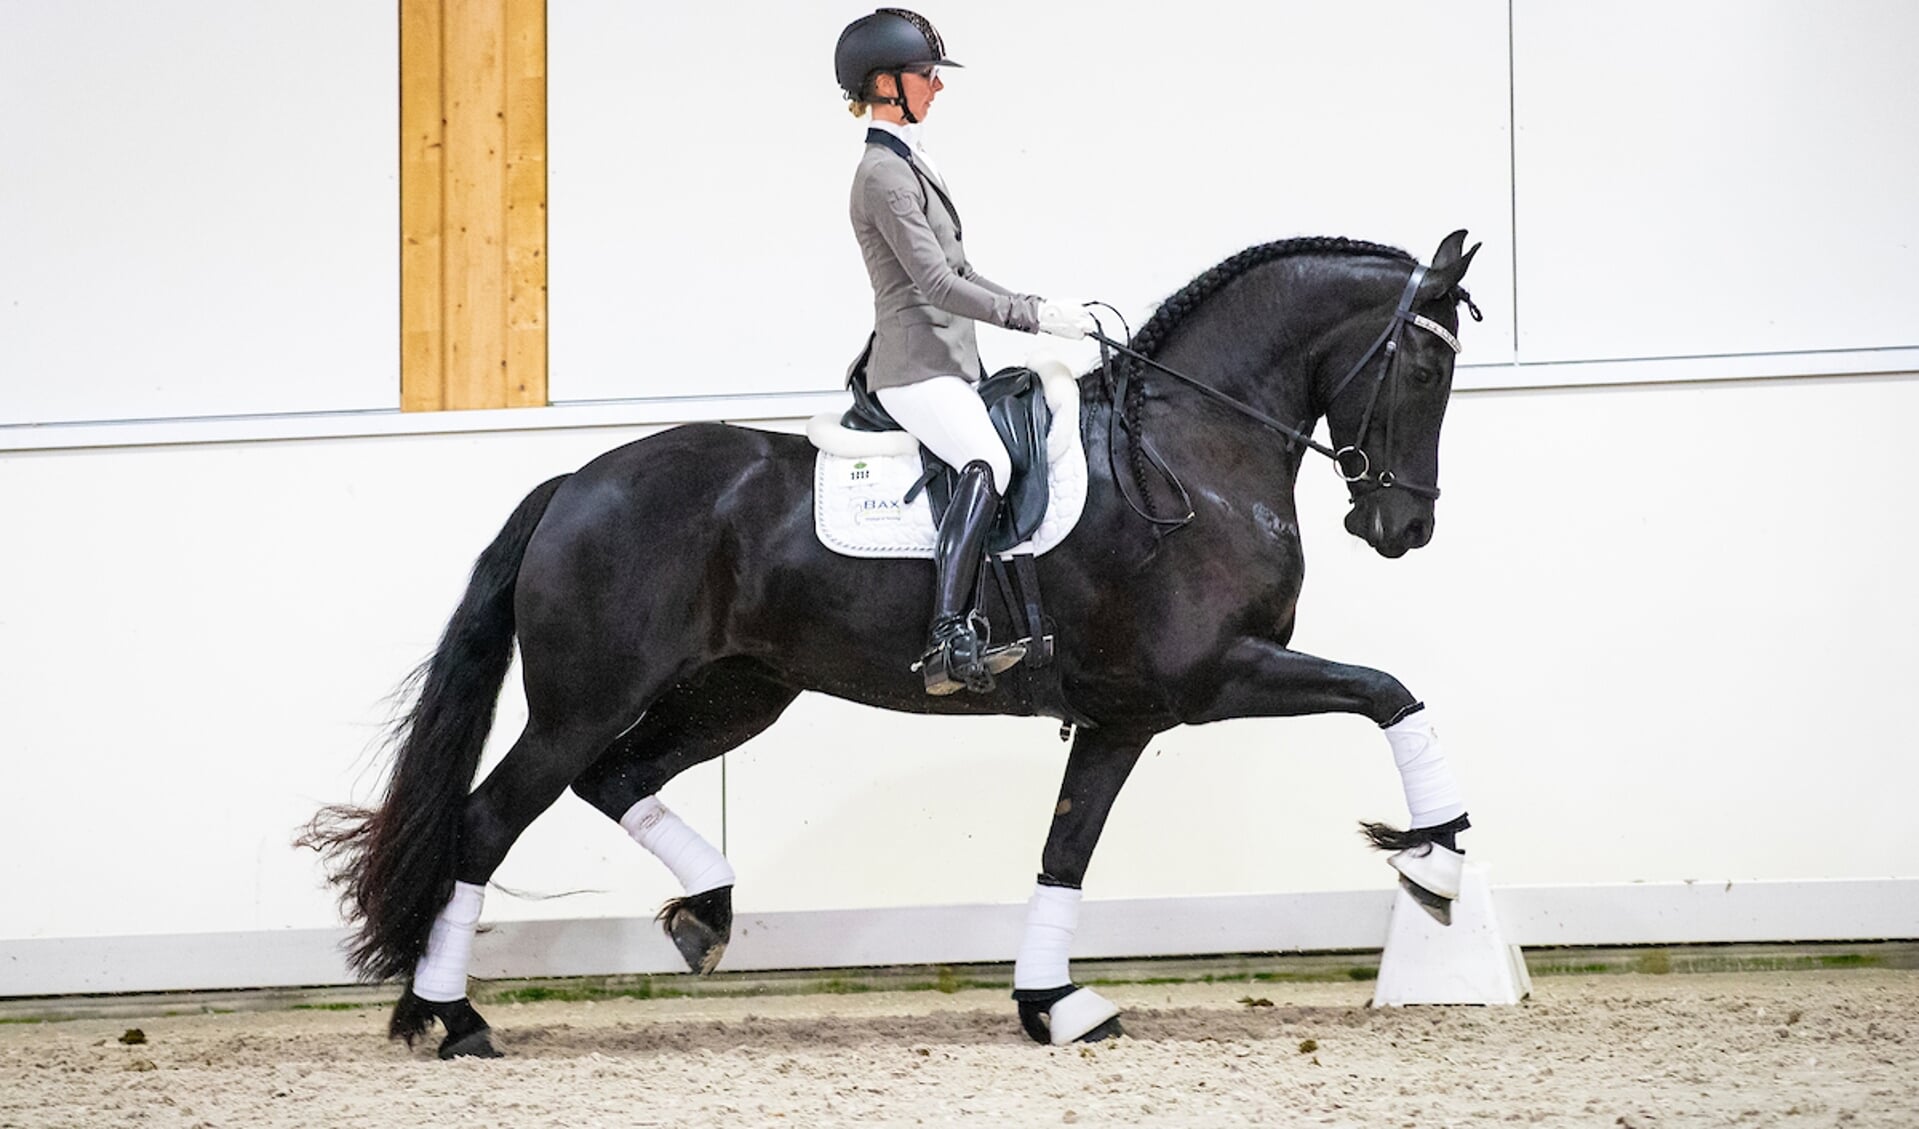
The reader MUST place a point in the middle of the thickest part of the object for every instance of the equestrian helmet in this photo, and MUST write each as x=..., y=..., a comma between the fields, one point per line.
x=891, y=39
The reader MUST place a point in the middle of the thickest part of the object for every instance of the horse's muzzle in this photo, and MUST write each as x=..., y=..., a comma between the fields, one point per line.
x=1392, y=522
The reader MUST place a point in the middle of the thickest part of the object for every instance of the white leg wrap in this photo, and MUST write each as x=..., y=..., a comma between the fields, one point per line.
x=441, y=974
x=1052, y=917
x=1432, y=795
x=695, y=862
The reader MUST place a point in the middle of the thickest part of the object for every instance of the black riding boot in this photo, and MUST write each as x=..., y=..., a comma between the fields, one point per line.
x=956, y=658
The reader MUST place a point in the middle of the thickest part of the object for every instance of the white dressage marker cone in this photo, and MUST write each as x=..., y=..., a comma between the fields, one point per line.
x=1467, y=962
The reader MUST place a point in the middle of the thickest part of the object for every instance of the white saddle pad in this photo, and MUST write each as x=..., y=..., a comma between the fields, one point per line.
x=860, y=479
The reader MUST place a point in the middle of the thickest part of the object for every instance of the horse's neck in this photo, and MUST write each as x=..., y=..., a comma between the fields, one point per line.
x=1267, y=367
x=1269, y=364
x=1210, y=447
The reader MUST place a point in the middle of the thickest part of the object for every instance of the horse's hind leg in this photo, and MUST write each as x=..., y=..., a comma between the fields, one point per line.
x=715, y=711
x=1051, y=1007
x=525, y=783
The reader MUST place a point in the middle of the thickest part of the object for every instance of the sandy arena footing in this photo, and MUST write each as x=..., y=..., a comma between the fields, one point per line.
x=1800, y=1048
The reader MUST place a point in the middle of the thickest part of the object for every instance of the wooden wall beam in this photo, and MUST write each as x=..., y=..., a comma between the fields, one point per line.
x=525, y=203
x=422, y=263
x=473, y=203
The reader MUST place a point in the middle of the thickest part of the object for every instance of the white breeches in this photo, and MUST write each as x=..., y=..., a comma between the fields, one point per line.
x=947, y=415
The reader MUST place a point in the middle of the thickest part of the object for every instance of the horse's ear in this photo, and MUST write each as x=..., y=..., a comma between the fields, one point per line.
x=1449, y=249
x=1446, y=270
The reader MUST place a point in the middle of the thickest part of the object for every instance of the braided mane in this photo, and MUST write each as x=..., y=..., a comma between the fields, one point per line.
x=1175, y=309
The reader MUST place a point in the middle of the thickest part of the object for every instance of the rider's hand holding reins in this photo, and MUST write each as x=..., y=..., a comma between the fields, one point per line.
x=1070, y=322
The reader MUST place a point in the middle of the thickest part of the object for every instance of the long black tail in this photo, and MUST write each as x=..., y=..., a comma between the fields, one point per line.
x=394, y=864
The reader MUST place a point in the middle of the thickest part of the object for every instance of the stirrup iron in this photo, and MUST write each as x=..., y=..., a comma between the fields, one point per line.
x=959, y=657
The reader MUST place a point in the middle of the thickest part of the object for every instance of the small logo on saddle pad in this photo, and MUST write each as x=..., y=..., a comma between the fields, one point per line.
x=867, y=511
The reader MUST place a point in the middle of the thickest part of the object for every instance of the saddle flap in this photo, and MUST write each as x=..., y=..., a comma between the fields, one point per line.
x=1016, y=403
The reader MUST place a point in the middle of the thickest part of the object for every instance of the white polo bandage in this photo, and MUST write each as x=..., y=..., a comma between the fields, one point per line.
x=440, y=977
x=1052, y=917
x=1432, y=795
x=695, y=862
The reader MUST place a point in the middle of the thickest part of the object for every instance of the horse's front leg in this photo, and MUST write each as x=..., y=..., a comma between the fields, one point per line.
x=1260, y=678
x=1051, y=1007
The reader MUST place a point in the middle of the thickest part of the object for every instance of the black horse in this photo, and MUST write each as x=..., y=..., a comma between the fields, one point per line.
x=671, y=598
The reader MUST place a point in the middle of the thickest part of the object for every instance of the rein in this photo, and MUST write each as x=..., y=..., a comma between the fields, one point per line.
x=1353, y=472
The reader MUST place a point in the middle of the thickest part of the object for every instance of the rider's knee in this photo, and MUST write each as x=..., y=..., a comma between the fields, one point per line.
x=1001, y=465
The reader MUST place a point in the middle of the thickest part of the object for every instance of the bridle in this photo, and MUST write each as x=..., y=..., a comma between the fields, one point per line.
x=1388, y=342
x=1351, y=461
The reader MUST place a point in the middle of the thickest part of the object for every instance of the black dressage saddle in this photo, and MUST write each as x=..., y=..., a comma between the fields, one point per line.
x=1016, y=403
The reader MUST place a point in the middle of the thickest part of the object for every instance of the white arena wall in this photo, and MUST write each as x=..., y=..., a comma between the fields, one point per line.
x=1665, y=619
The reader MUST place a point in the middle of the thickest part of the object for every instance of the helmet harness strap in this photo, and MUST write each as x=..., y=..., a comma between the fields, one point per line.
x=899, y=88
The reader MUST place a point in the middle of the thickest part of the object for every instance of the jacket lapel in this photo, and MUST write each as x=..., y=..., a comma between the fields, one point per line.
x=905, y=153
x=882, y=138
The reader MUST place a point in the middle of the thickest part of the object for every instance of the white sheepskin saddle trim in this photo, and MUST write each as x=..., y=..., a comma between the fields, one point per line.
x=827, y=434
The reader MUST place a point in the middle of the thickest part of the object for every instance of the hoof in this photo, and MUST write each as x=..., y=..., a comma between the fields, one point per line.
x=467, y=1035
x=1107, y=1030
x=473, y=1044
x=1032, y=1017
x=1432, y=868
x=1057, y=1016
x=1438, y=908
x=699, y=926
x=412, y=1018
x=1431, y=873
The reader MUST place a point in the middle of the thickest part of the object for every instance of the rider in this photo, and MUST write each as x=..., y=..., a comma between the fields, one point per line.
x=923, y=361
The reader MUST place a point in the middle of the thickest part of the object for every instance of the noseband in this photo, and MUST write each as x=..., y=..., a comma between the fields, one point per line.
x=1351, y=461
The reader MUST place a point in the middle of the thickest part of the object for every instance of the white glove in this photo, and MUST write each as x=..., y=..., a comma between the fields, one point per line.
x=1070, y=322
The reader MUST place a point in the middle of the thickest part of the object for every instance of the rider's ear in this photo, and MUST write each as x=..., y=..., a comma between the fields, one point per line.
x=1443, y=276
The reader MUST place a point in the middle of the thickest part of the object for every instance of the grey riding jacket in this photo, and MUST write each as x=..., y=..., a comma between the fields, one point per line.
x=926, y=296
